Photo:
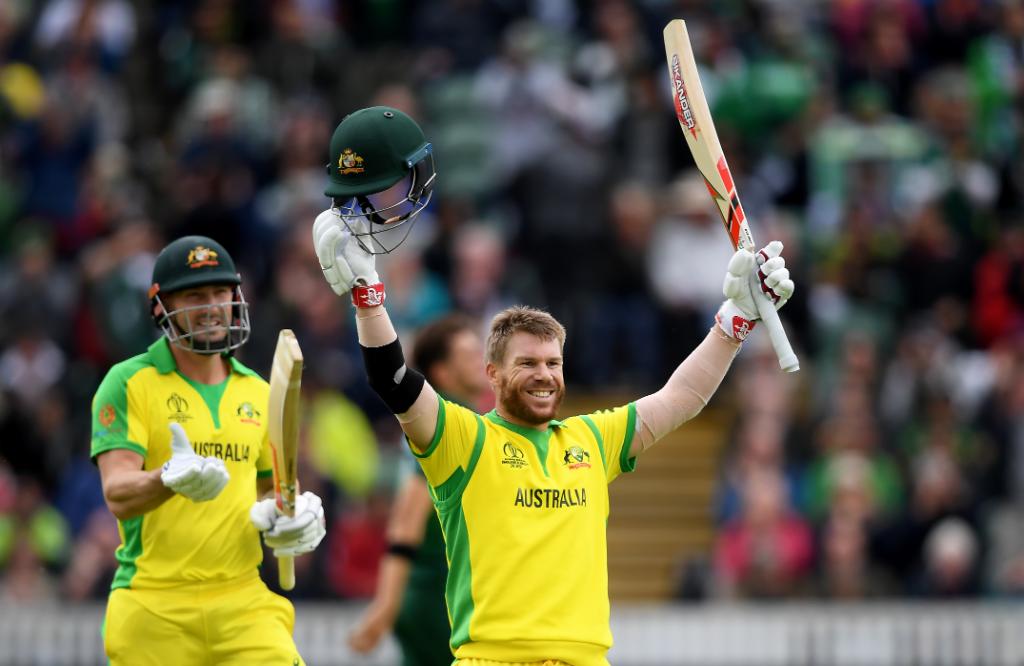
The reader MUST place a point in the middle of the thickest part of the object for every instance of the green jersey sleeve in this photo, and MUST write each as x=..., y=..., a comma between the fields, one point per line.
x=118, y=415
x=614, y=430
x=449, y=453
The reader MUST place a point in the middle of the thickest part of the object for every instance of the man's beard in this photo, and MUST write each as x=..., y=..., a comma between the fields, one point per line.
x=204, y=339
x=512, y=403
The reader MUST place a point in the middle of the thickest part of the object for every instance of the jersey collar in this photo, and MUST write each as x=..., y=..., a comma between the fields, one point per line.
x=163, y=360
x=494, y=417
x=160, y=353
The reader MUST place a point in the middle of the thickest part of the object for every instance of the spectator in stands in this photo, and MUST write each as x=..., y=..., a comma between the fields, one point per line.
x=759, y=445
x=608, y=357
x=851, y=458
x=939, y=493
x=690, y=226
x=845, y=569
x=34, y=541
x=766, y=551
x=951, y=553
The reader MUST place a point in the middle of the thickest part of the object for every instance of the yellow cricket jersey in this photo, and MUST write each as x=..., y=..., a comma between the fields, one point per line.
x=524, y=516
x=183, y=541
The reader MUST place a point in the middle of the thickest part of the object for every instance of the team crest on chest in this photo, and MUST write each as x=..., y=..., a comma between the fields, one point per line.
x=248, y=414
x=576, y=457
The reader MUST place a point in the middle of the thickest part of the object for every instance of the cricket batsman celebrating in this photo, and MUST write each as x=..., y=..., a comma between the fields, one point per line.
x=180, y=437
x=522, y=497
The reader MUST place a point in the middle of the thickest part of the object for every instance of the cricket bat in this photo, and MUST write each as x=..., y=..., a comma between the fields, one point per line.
x=283, y=422
x=695, y=120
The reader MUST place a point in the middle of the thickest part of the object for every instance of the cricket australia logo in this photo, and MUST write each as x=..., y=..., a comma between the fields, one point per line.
x=576, y=457
x=179, y=408
x=514, y=456
x=200, y=256
x=248, y=414
x=350, y=162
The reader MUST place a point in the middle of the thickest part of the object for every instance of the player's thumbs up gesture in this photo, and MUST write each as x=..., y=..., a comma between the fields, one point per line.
x=738, y=314
x=197, y=478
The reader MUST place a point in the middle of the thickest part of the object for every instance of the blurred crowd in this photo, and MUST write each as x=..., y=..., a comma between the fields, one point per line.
x=879, y=139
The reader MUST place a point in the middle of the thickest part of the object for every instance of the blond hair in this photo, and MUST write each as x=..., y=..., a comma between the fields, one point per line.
x=520, y=318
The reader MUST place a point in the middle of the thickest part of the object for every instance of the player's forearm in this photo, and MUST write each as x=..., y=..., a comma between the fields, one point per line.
x=391, y=583
x=687, y=391
x=419, y=422
x=374, y=327
x=131, y=493
x=403, y=390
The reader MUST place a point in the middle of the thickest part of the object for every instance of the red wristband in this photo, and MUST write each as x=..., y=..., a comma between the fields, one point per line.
x=738, y=328
x=368, y=296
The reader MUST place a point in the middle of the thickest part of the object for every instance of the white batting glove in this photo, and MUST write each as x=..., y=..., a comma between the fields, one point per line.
x=197, y=478
x=343, y=260
x=739, y=312
x=291, y=536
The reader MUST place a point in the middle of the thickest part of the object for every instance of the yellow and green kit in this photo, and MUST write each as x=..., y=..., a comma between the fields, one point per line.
x=182, y=550
x=524, y=515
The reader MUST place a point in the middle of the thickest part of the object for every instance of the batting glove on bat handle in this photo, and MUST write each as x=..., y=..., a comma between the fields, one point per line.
x=753, y=295
x=772, y=288
x=344, y=262
x=291, y=536
x=743, y=287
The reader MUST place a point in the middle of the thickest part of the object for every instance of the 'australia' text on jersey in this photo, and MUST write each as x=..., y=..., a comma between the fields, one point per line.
x=550, y=498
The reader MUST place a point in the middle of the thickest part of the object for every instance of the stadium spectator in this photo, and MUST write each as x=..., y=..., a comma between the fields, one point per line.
x=767, y=550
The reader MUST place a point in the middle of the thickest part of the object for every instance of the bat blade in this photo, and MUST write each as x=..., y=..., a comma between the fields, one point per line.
x=694, y=117
x=283, y=425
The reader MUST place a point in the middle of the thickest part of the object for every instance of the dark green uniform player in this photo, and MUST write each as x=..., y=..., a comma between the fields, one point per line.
x=422, y=627
x=410, y=597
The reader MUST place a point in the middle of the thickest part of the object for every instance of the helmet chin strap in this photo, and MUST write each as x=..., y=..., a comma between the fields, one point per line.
x=371, y=213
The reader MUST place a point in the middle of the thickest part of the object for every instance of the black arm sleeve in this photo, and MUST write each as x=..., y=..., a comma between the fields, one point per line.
x=396, y=384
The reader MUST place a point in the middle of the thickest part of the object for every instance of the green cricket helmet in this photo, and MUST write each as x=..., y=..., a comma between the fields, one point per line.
x=381, y=176
x=197, y=261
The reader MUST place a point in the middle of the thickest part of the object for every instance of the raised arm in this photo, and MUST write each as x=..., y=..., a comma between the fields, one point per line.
x=350, y=270
x=389, y=376
x=697, y=378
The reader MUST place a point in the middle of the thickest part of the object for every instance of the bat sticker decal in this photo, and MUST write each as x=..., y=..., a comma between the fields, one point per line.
x=682, y=103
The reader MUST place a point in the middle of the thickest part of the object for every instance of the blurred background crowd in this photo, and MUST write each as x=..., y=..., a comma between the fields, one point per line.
x=879, y=139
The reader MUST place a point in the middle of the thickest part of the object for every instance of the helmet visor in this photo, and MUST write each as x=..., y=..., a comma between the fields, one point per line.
x=378, y=220
x=211, y=328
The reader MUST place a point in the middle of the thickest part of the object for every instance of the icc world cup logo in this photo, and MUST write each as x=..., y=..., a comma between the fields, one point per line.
x=178, y=407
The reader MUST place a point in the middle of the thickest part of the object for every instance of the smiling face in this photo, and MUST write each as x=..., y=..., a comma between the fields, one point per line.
x=202, y=314
x=528, y=381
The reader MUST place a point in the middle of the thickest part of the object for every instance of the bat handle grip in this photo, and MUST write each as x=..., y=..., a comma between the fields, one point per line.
x=770, y=318
x=286, y=572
